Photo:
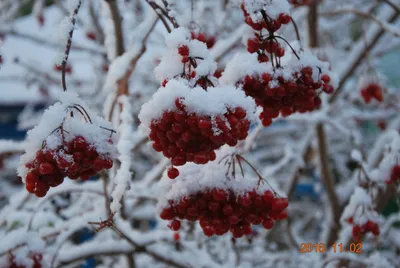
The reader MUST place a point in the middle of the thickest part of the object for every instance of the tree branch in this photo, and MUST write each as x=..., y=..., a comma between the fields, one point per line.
x=382, y=24
x=117, y=20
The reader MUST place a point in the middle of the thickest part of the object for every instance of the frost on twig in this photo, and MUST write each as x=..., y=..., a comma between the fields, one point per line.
x=124, y=148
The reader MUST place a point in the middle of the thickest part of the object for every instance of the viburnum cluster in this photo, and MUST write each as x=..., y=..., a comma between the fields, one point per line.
x=294, y=87
x=36, y=259
x=361, y=215
x=67, y=142
x=278, y=84
x=209, y=40
x=269, y=15
x=372, y=91
x=266, y=19
x=190, y=116
x=220, y=203
x=395, y=175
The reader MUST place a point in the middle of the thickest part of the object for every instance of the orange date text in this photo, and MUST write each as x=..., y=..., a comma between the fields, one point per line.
x=336, y=248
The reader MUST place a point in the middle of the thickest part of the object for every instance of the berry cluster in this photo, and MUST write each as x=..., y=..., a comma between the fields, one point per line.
x=372, y=91
x=186, y=137
x=360, y=230
x=208, y=40
x=220, y=211
x=395, y=175
x=36, y=258
x=300, y=94
x=264, y=48
x=265, y=45
x=74, y=159
x=271, y=25
x=58, y=68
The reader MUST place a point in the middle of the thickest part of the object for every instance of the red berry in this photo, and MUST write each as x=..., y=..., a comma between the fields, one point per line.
x=173, y=173
x=45, y=168
x=175, y=225
x=183, y=50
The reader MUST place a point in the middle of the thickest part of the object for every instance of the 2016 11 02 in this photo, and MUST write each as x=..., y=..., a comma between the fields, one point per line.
x=337, y=248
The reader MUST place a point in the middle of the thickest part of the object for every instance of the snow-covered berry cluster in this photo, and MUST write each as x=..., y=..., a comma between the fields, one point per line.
x=67, y=142
x=220, y=203
x=190, y=116
x=295, y=87
x=360, y=230
x=372, y=91
x=361, y=215
x=74, y=159
x=209, y=40
x=35, y=261
x=268, y=15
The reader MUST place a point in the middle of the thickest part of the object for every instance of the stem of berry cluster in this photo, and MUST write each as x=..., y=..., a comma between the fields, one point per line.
x=68, y=46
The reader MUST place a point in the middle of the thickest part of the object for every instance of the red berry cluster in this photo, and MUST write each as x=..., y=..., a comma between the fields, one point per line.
x=302, y=2
x=73, y=159
x=208, y=40
x=360, y=230
x=298, y=95
x=264, y=48
x=58, y=68
x=186, y=137
x=265, y=45
x=372, y=91
x=271, y=25
x=220, y=211
x=395, y=175
x=37, y=261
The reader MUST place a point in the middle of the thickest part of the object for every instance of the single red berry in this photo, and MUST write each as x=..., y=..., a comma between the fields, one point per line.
x=183, y=50
x=175, y=225
x=173, y=173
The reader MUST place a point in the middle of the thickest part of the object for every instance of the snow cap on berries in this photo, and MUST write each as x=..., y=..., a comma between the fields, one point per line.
x=179, y=40
x=59, y=114
x=292, y=64
x=273, y=8
x=213, y=102
x=360, y=208
x=243, y=64
x=197, y=178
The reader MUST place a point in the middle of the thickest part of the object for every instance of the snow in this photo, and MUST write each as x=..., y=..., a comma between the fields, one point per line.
x=390, y=159
x=171, y=65
x=58, y=115
x=360, y=208
x=213, y=102
x=199, y=178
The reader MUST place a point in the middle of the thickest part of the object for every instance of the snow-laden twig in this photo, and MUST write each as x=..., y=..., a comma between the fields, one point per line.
x=124, y=148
